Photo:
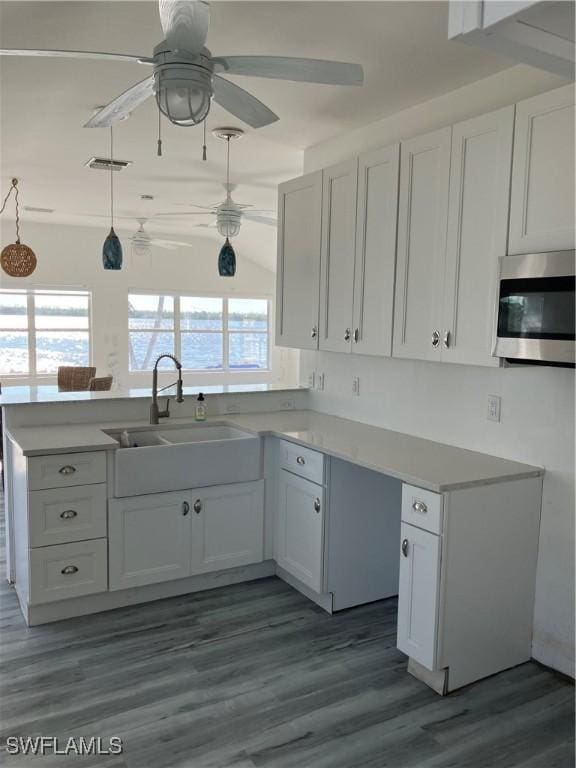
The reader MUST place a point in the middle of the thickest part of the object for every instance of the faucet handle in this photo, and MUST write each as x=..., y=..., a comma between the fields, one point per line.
x=166, y=411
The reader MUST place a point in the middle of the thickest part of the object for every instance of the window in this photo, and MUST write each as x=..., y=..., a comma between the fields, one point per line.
x=41, y=330
x=205, y=333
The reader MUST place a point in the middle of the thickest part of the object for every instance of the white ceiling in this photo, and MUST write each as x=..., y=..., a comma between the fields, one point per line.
x=403, y=47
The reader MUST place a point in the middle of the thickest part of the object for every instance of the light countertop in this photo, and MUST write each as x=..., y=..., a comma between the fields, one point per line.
x=424, y=463
x=48, y=393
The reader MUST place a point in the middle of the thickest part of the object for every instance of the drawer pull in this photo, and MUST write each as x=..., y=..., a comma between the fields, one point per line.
x=68, y=514
x=405, y=547
x=317, y=505
x=198, y=506
x=420, y=507
x=69, y=570
x=67, y=470
x=300, y=460
x=185, y=508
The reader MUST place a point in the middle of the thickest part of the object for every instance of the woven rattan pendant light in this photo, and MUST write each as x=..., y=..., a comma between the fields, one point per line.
x=17, y=259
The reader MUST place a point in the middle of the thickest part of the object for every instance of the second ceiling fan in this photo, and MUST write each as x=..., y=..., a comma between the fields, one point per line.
x=187, y=77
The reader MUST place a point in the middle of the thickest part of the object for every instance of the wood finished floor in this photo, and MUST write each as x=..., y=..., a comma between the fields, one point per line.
x=256, y=676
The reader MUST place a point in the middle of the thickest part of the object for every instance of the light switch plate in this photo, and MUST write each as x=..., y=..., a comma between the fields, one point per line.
x=311, y=380
x=494, y=404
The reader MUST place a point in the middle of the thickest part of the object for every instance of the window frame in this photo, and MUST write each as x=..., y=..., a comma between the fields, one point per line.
x=225, y=331
x=31, y=329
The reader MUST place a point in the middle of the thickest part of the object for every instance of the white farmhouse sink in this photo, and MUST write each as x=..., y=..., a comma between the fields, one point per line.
x=180, y=458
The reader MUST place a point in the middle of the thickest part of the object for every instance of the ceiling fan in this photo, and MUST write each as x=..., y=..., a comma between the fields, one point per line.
x=229, y=214
x=142, y=241
x=187, y=77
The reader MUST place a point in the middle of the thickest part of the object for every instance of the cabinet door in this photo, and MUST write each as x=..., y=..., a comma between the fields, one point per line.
x=337, y=262
x=149, y=539
x=542, y=201
x=422, y=219
x=300, y=524
x=375, y=251
x=477, y=234
x=298, y=271
x=418, y=595
x=227, y=526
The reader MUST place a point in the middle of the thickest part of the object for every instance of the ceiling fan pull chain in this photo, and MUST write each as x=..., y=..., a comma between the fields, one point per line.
x=204, y=154
x=159, y=150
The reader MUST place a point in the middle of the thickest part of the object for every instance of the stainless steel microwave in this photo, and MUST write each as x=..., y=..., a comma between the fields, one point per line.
x=536, y=309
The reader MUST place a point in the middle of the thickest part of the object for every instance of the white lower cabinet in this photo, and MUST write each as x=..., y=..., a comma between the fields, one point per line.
x=149, y=539
x=165, y=536
x=227, y=526
x=300, y=529
x=418, y=594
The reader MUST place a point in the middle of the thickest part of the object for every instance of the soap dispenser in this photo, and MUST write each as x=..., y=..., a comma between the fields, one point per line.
x=200, y=412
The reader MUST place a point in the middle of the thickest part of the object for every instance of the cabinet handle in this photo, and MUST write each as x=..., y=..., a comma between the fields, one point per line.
x=185, y=508
x=356, y=335
x=435, y=339
x=347, y=334
x=300, y=460
x=67, y=470
x=405, y=547
x=447, y=339
x=69, y=570
x=198, y=506
x=68, y=514
x=317, y=505
x=314, y=332
x=420, y=507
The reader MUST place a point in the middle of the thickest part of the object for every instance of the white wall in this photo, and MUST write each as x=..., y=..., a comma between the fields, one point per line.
x=70, y=256
x=448, y=403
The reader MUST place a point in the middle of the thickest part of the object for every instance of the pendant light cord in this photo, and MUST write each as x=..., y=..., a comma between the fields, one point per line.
x=111, y=177
x=13, y=188
x=228, y=164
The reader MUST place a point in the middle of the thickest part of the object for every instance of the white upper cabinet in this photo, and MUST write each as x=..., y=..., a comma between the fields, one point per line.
x=542, y=202
x=298, y=269
x=340, y=185
x=477, y=234
x=422, y=215
x=375, y=251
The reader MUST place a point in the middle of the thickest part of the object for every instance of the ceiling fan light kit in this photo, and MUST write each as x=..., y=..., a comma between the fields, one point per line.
x=17, y=259
x=183, y=86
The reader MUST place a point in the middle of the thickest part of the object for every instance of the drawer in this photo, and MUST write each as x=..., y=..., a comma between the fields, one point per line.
x=302, y=461
x=64, y=469
x=422, y=508
x=61, y=515
x=68, y=570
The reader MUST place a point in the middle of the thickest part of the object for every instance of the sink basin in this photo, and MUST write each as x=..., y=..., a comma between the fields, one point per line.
x=182, y=458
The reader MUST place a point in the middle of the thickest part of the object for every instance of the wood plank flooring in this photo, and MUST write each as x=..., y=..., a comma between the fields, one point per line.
x=256, y=676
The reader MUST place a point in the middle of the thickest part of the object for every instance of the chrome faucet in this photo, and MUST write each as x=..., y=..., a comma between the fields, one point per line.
x=155, y=413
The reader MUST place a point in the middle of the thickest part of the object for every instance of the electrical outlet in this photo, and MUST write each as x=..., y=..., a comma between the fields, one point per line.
x=320, y=385
x=311, y=380
x=356, y=386
x=494, y=403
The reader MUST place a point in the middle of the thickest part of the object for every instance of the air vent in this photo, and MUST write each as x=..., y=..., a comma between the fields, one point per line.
x=105, y=164
x=34, y=209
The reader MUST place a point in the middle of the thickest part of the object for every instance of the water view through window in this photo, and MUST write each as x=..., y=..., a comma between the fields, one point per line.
x=41, y=330
x=205, y=333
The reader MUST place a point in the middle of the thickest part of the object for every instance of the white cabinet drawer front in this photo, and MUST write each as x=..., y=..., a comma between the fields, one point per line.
x=66, y=469
x=61, y=515
x=422, y=508
x=302, y=461
x=68, y=570
x=418, y=595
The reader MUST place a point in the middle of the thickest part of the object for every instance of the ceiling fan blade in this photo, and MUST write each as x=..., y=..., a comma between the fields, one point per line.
x=75, y=54
x=170, y=244
x=185, y=24
x=185, y=213
x=242, y=104
x=287, y=68
x=122, y=105
x=260, y=219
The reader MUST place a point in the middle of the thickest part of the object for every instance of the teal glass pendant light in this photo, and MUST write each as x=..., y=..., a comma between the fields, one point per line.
x=112, y=248
x=227, y=260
